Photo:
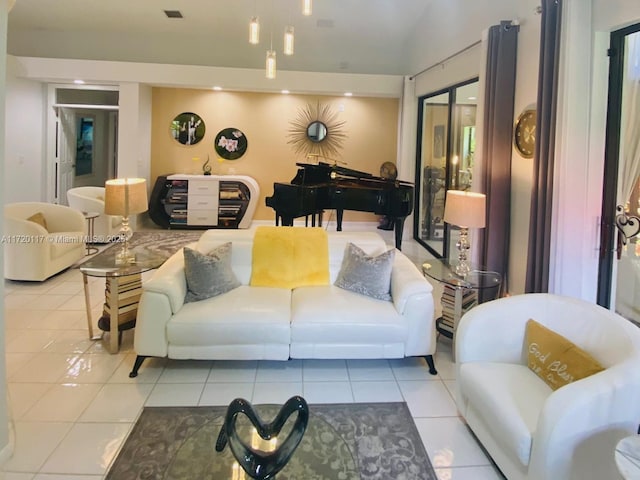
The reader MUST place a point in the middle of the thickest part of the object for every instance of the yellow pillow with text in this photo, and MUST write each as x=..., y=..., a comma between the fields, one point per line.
x=555, y=359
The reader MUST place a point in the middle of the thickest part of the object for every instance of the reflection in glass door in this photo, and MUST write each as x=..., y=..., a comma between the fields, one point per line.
x=445, y=155
x=619, y=271
x=628, y=269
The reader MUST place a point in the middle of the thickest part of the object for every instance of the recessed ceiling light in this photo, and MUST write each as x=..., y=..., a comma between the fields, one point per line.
x=348, y=94
x=471, y=98
x=285, y=92
x=78, y=82
x=217, y=89
x=173, y=13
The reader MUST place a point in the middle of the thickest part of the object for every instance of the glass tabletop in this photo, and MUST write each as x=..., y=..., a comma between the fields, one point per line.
x=322, y=453
x=104, y=264
x=478, y=278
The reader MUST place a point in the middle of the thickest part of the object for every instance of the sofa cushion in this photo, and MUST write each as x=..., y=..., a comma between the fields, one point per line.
x=289, y=257
x=208, y=274
x=509, y=398
x=328, y=314
x=555, y=359
x=38, y=218
x=366, y=274
x=243, y=315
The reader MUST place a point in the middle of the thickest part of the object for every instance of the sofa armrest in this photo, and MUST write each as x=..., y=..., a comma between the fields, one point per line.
x=593, y=409
x=154, y=312
x=406, y=281
x=169, y=280
x=412, y=297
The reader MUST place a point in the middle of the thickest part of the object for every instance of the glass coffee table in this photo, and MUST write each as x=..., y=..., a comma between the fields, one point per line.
x=321, y=455
x=123, y=287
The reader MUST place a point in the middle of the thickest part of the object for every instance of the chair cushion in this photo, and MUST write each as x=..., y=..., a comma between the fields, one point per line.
x=556, y=360
x=208, y=274
x=365, y=274
x=509, y=399
x=328, y=314
x=242, y=316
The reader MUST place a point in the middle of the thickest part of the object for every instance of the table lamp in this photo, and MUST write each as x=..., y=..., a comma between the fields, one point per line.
x=466, y=210
x=125, y=196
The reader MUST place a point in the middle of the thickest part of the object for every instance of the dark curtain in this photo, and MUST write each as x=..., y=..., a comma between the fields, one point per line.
x=542, y=191
x=496, y=145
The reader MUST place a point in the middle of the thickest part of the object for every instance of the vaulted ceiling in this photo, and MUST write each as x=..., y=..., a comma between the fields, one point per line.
x=346, y=36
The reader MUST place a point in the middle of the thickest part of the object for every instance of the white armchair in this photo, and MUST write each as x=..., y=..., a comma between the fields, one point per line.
x=91, y=199
x=33, y=252
x=530, y=430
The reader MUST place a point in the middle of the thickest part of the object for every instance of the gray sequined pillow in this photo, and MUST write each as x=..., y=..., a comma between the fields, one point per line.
x=208, y=274
x=364, y=274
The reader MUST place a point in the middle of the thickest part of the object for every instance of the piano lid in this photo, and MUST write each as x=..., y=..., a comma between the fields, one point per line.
x=331, y=172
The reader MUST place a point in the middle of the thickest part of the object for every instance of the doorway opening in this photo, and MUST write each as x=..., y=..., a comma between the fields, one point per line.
x=86, y=131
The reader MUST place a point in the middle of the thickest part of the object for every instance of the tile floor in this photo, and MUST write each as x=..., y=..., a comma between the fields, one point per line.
x=72, y=404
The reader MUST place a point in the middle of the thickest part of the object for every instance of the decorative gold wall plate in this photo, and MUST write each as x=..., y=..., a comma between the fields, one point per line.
x=524, y=133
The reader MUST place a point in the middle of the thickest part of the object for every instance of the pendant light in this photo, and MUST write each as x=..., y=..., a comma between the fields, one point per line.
x=254, y=31
x=288, y=40
x=271, y=64
x=307, y=7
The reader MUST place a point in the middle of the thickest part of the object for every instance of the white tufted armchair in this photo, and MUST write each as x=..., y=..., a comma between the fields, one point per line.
x=530, y=430
x=33, y=252
x=91, y=199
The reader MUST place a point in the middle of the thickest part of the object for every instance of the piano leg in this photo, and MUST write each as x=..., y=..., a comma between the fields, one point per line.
x=399, y=226
x=339, y=214
x=320, y=217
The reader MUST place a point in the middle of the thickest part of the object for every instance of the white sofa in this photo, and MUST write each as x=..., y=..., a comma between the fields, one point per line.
x=34, y=253
x=530, y=430
x=91, y=199
x=277, y=324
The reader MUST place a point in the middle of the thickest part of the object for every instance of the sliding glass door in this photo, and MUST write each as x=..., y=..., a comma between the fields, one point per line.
x=444, y=161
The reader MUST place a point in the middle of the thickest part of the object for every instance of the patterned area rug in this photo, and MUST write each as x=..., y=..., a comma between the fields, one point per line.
x=355, y=441
x=163, y=243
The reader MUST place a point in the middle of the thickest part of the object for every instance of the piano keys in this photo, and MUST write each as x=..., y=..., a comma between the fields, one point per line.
x=320, y=187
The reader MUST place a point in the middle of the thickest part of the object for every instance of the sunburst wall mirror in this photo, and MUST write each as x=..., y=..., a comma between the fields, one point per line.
x=316, y=131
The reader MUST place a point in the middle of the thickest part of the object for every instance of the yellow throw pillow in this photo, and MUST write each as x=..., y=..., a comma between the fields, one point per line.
x=39, y=219
x=555, y=359
x=289, y=257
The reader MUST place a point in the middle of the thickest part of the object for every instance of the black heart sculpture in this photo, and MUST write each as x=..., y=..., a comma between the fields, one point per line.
x=258, y=464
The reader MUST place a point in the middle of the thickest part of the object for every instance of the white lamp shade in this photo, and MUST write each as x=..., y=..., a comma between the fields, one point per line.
x=465, y=209
x=125, y=196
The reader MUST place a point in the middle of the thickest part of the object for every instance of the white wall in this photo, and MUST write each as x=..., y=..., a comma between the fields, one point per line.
x=456, y=24
x=25, y=119
x=6, y=447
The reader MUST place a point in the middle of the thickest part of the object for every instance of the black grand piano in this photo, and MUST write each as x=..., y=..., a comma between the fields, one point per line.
x=320, y=187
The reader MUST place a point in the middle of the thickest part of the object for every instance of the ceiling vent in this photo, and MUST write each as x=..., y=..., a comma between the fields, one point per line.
x=173, y=13
x=324, y=23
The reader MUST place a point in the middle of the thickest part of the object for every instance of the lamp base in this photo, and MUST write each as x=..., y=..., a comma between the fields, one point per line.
x=125, y=257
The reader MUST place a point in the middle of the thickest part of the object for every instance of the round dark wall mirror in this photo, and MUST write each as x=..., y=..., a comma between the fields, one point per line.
x=316, y=131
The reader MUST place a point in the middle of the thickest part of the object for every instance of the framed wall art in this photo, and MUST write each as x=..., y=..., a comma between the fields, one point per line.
x=230, y=143
x=187, y=128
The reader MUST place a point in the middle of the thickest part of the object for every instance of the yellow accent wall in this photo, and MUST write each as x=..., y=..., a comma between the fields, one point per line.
x=371, y=126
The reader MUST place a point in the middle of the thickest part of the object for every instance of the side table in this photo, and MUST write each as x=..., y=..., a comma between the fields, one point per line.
x=460, y=294
x=123, y=287
x=90, y=217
